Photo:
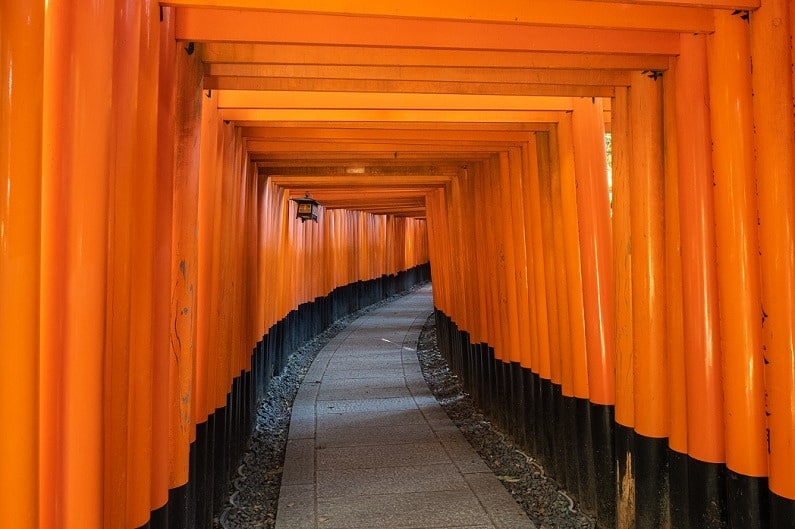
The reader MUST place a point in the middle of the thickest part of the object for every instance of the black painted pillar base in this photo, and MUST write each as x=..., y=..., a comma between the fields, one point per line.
x=625, y=480
x=529, y=386
x=570, y=447
x=558, y=435
x=782, y=512
x=747, y=498
x=651, y=482
x=707, y=493
x=586, y=479
x=678, y=486
x=544, y=426
x=519, y=403
x=159, y=519
x=178, y=507
x=602, y=423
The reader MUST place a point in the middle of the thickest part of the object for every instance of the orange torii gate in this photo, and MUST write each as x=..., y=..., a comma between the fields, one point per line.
x=639, y=338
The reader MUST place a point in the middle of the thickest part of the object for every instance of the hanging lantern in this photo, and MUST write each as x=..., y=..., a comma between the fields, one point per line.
x=307, y=208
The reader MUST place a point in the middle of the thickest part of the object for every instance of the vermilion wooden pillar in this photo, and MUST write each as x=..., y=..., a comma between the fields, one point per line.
x=775, y=165
x=738, y=264
x=21, y=91
x=531, y=151
x=647, y=195
x=596, y=260
x=595, y=246
x=676, y=380
x=78, y=82
x=183, y=276
x=622, y=272
x=123, y=317
x=705, y=436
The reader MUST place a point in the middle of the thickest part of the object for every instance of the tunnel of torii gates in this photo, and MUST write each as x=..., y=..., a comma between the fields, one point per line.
x=636, y=336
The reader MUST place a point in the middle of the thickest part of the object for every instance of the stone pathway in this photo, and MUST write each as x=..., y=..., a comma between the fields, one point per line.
x=369, y=446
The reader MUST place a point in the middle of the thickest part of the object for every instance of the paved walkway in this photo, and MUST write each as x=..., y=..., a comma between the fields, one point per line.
x=369, y=446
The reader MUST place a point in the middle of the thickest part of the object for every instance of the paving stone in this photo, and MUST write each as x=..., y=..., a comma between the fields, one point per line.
x=372, y=419
x=388, y=480
x=364, y=373
x=366, y=392
x=302, y=428
x=365, y=405
x=396, y=455
x=296, y=507
x=426, y=509
x=299, y=469
x=504, y=512
x=389, y=435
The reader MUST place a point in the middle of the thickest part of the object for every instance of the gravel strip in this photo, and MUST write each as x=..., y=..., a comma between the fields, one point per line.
x=547, y=505
x=254, y=494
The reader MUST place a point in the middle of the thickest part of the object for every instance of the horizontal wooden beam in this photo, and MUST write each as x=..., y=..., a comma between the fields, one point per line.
x=299, y=147
x=324, y=133
x=369, y=157
x=663, y=15
x=357, y=196
x=378, y=144
x=595, y=77
x=734, y=5
x=354, y=197
x=349, y=182
x=226, y=25
x=250, y=99
x=397, y=125
x=412, y=115
x=373, y=167
x=374, y=195
x=428, y=87
x=329, y=55
x=395, y=212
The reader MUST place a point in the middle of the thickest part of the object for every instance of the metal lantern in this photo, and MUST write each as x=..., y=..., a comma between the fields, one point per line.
x=307, y=208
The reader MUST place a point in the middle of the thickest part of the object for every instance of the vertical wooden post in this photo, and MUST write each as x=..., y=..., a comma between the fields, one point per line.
x=566, y=202
x=519, y=285
x=621, y=136
x=775, y=164
x=738, y=264
x=561, y=166
x=533, y=227
x=77, y=81
x=21, y=91
x=554, y=406
x=207, y=211
x=647, y=194
x=204, y=379
x=162, y=409
x=579, y=453
x=700, y=301
x=522, y=247
x=677, y=389
x=622, y=258
x=143, y=238
x=184, y=276
x=596, y=246
x=548, y=246
x=564, y=426
x=506, y=214
x=122, y=253
x=596, y=256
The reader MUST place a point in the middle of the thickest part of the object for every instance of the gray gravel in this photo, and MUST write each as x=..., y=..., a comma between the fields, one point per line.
x=254, y=493
x=541, y=497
